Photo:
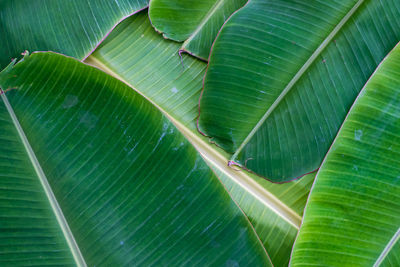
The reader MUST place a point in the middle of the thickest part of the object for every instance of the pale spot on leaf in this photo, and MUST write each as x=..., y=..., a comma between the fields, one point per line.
x=174, y=90
x=70, y=101
x=357, y=135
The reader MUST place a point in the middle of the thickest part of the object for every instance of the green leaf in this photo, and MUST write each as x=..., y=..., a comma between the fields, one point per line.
x=392, y=258
x=136, y=54
x=276, y=234
x=353, y=212
x=141, y=58
x=29, y=232
x=283, y=75
x=151, y=65
x=73, y=27
x=195, y=22
x=131, y=189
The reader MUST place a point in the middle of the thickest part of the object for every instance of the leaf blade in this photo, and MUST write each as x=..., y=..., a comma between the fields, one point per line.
x=195, y=22
x=130, y=186
x=298, y=132
x=162, y=61
x=362, y=170
x=51, y=246
x=46, y=187
x=148, y=63
x=179, y=105
x=73, y=28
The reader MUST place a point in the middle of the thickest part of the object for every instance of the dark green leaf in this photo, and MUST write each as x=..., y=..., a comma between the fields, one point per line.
x=132, y=189
x=283, y=75
x=71, y=27
x=151, y=65
x=195, y=22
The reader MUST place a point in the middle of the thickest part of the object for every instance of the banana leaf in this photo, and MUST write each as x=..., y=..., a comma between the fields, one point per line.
x=353, y=213
x=195, y=22
x=93, y=174
x=141, y=58
x=282, y=76
x=73, y=27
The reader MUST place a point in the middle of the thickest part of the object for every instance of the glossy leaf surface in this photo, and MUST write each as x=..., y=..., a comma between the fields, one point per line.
x=73, y=27
x=151, y=65
x=29, y=232
x=393, y=257
x=276, y=234
x=353, y=213
x=195, y=22
x=132, y=190
x=135, y=53
x=283, y=75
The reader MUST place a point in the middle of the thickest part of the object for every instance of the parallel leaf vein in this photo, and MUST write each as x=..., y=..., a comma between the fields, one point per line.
x=46, y=186
x=219, y=160
x=298, y=75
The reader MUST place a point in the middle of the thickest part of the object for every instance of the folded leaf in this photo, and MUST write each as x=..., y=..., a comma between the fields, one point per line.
x=283, y=75
x=353, y=212
x=131, y=189
x=195, y=22
x=73, y=27
x=151, y=65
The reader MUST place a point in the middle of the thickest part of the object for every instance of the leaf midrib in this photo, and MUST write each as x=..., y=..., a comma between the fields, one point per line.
x=298, y=75
x=206, y=18
x=216, y=158
x=388, y=248
x=68, y=235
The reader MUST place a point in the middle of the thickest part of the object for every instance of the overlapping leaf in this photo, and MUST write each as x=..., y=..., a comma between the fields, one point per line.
x=73, y=27
x=195, y=22
x=151, y=65
x=276, y=234
x=138, y=55
x=131, y=188
x=283, y=75
x=353, y=213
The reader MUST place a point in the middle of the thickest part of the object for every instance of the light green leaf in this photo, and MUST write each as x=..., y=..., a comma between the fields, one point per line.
x=283, y=75
x=353, y=212
x=276, y=234
x=151, y=65
x=130, y=188
x=73, y=27
x=195, y=22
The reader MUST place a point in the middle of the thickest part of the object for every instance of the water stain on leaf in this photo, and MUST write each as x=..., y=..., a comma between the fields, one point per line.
x=70, y=101
x=89, y=120
x=358, y=134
